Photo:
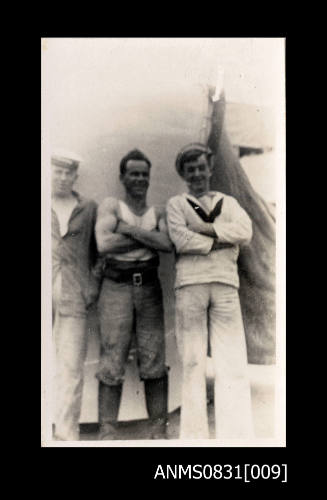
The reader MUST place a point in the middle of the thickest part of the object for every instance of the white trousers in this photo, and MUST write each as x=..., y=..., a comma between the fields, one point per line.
x=213, y=309
x=70, y=338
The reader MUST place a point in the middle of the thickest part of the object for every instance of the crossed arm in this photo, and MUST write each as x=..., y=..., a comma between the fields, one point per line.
x=156, y=239
x=198, y=237
x=187, y=240
x=115, y=236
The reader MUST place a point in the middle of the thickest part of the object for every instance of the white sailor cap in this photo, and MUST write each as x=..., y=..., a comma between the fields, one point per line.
x=64, y=158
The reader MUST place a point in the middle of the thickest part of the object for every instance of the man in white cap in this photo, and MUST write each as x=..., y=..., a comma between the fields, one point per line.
x=74, y=288
x=207, y=229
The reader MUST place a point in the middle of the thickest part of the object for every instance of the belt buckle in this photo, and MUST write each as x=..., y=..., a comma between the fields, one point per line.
x=137, y=279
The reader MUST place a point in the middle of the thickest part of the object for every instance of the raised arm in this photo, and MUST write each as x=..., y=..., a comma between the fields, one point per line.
x=157, y=239
x=108, y=241
x=185, y=240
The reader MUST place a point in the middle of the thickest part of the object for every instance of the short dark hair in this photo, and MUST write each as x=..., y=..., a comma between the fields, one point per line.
x=135, y=154
x=192, y=155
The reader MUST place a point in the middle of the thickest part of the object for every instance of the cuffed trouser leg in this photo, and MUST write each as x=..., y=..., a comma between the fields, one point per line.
x=116, y=313
x=71, y=347
x=191, y=332
x=233, y=407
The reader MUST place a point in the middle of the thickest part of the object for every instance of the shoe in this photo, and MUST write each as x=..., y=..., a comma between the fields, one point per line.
x=158, y=429
x=108, y=431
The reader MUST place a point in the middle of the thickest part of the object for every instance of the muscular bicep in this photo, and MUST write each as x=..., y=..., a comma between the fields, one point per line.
x=106, y=223
x=108, y=241
x=107, y=216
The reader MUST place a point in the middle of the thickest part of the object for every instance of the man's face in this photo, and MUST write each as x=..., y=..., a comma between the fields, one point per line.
x=63, y=179
x=136, y=178
x=197, y=175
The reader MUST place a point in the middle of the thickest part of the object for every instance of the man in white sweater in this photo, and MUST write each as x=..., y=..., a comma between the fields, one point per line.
x=207, y=229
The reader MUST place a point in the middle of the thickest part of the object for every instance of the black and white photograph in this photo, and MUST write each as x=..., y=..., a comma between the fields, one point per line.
x=163, y=242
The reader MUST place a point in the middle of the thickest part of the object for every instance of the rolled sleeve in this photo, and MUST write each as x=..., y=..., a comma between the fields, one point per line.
x=185, y=241
x=236, y=226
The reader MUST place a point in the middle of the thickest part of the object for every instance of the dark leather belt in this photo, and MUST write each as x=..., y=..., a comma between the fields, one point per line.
x=134, y=277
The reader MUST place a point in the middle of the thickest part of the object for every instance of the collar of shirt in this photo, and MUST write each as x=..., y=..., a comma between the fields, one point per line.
x=81, y=203
x=79, y=207
x=205, y=200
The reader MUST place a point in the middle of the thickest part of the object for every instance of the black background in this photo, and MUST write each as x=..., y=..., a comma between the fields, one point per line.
x=122, y=471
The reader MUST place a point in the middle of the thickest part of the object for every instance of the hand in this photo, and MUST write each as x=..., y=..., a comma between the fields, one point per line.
x=93, y=293
x=219, y=246
x=123, y=228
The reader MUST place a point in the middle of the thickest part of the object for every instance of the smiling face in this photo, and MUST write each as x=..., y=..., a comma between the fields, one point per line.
x=197, y=173
x=63, y=179
x=136, y=178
